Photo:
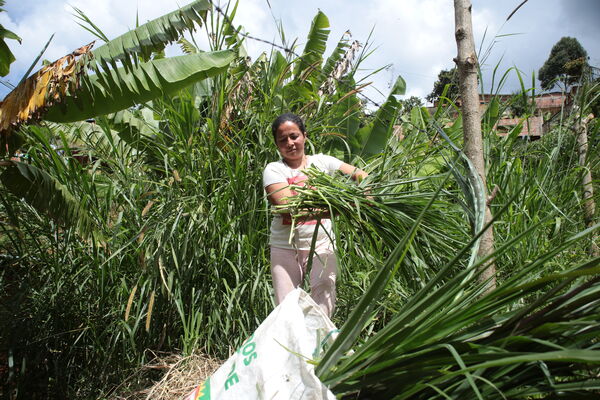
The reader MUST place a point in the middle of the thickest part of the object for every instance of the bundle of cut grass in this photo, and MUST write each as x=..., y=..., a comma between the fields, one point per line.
x=383, y=211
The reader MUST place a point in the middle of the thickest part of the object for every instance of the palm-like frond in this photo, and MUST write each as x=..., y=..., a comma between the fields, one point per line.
x=335, y=57
x=337, y=65
x=48, y=196
x=186, y=46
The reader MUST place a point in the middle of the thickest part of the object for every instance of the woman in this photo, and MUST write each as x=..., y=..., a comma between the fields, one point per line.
x=290, y=250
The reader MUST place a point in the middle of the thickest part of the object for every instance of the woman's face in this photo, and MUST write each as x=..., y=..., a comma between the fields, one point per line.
x=290, y=141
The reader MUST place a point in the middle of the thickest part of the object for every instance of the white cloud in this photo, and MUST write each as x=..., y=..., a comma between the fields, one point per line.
x=416, y=37
x=256, y=20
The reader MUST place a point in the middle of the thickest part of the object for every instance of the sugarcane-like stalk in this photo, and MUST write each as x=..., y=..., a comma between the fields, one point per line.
x=589, y=206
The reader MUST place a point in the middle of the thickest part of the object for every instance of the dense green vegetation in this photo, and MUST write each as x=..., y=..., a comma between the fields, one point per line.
x=147, y=229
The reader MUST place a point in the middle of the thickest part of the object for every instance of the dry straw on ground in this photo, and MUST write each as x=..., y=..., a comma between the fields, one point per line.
x=182, y=375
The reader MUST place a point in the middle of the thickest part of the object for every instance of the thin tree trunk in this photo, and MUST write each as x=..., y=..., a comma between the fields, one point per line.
x=466, y=62
x=589, y=206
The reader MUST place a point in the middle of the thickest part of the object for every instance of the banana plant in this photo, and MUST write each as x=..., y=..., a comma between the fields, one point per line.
x=305, y=74
x=312, y=56
x=372, y=138
x=70, y=94
x=66, y=92
x=119, y=89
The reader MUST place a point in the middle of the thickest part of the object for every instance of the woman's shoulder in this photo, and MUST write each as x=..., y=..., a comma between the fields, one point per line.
x=275, y=167
x=326, y=161
x=275, y=164
x=322, y=156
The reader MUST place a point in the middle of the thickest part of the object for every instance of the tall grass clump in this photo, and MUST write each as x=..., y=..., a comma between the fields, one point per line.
x=533, y=336
x=547, y=174
x=452, y=340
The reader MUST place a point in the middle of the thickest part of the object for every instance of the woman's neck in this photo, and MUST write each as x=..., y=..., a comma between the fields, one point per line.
x=296, y=164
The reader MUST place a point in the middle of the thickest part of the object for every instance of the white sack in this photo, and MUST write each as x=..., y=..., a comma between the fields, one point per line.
x=275, y=362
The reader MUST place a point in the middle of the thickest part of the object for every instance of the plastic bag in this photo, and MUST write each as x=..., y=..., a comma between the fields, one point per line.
x=276, y=361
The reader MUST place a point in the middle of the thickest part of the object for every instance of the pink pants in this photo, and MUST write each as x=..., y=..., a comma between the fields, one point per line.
x=288, y=268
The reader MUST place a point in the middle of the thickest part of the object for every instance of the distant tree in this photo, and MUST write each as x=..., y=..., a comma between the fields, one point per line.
x=566, y=63
x=445, y=77
x=411, y=102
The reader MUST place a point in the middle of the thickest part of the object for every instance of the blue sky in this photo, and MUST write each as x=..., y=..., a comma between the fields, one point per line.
x=412, y=38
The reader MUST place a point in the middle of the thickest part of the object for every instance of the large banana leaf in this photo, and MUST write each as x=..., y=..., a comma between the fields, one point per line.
x=312, y=56
x=373, y=137
x=151, y=36
x=345, y=117
x=112, y=89
x=48, y=196
x=6, y=56
x=116, y=90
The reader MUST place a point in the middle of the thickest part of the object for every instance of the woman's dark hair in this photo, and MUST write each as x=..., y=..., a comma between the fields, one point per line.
x=285, y=118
